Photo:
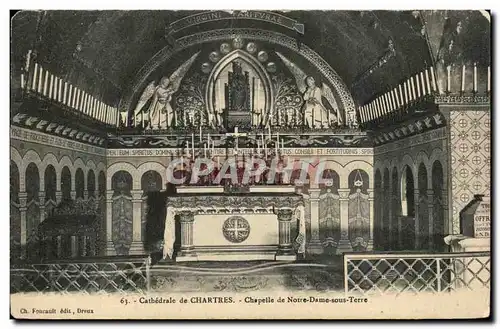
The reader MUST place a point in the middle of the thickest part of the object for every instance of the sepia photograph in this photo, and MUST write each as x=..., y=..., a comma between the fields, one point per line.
x=250, y=164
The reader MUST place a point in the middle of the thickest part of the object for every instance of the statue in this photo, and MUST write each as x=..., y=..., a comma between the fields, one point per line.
x=316, y=115
x=160, y=112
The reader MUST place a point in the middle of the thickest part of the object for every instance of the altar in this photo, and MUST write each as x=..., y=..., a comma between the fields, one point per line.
x=220, y=226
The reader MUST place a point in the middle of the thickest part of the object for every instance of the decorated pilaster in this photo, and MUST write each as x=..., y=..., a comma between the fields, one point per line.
x=417, y=219
x=23, y=199
x=110, y=248
x=372, y=214
x=430, y=199
x=41, y=196
x=137, y=246
x=344, y=245
x=187, y=249
x=314, y=246
x=285, y=250
x=58, y=197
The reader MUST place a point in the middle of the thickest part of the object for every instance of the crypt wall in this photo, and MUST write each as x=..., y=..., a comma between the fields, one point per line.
x=411, y=209
x=43, y=175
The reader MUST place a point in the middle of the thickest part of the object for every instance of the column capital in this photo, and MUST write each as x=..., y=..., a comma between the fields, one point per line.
x=314, y=193
x=284, y=214
x=109, y=194
x=137, y=195
x=371, y=193
x=344, y=193
x=186, y=216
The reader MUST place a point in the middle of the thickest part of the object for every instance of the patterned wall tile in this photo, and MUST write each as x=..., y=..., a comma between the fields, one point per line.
x=470, y=140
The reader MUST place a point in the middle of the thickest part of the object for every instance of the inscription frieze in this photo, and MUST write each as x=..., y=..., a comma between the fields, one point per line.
x=412, y=141
x=45, y=139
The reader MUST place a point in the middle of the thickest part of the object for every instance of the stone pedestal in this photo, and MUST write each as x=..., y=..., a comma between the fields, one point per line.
x=186, y=251
x=285, y=250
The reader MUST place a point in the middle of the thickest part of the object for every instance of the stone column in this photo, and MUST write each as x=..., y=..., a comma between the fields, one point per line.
x=285, y=250
x=73, y=194
x=74, y=246
x=110, y=248
x=430, y=201
x=314, y=245
x=58, y=197
x=344, y=245
x=85, y=193
x=23, y=199
x=137, y=246
x=41, y=196
x=187, y=249
x=417, y=220
x=372, y=214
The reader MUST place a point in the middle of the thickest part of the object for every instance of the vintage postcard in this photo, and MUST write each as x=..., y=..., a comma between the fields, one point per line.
x=250, y=164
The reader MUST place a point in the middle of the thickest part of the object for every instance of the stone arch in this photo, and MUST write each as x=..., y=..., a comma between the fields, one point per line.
x=50, y=181
x=353, y=165
x=407, y=189
x=66, y=162
x=50, y=159
x=33, y=157
x=324, y=165
x=248, y=59
x=18, y=160
x=91, y=164
x=283, y=40
x=114, y=168
x=423, y=158
x=407, y=161
x=145, y=167
x=437, y=154
x=79, y=164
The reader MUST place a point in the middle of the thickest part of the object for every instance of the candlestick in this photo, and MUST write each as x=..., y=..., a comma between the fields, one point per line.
x=22, y=80
x=475, y=77
x=489, y=80
x=463, y=79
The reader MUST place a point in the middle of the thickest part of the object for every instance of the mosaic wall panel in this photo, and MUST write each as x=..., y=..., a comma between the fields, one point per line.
x=470, y=141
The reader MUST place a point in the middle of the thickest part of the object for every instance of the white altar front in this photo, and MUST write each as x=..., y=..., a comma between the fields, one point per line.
x=218, y=226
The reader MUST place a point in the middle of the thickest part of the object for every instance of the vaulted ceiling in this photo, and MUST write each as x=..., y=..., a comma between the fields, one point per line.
x=104, y=50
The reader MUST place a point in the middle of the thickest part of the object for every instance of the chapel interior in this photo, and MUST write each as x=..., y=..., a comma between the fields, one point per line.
x=390, y=108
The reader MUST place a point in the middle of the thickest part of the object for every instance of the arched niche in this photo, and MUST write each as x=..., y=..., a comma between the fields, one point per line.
x=407, y=192
x=216, y=80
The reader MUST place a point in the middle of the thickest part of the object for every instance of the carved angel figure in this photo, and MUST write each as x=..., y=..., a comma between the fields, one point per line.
x=160, y=112
x=316, y=115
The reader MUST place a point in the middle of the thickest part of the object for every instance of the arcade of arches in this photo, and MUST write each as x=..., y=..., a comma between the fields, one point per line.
x=395, y=181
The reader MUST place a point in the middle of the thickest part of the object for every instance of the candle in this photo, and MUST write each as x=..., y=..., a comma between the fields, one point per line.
x=201, y=135
x=413, y=94
x=205, y=150
x=475, y=77
x=428, y=81
x=418, y=86
x=449, y=78
x=393, y=101
x=433, y=78
x=35, y=72
x=51, y=85
x=192, y=142
x=60, y=96
x=463, y=79
x=423, y=83
x=40, y=80
x=489, y=80
x=45, y=83
x=396, y=98
x=277, y=142
x=405, y=89
x=22, y=80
